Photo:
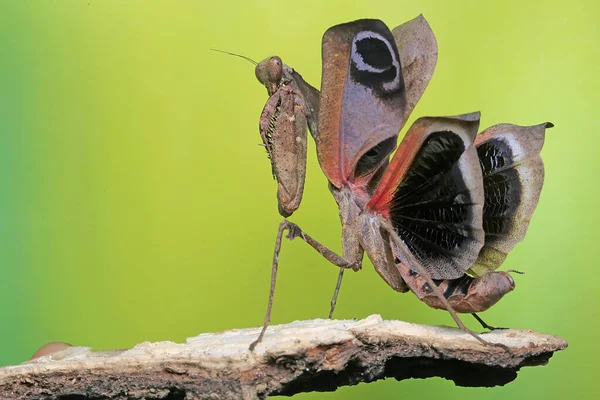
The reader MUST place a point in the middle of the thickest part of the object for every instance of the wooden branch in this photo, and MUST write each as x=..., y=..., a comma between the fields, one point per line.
x=317, y=355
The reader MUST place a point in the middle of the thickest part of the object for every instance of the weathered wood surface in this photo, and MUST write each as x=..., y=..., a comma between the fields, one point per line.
x=316, y=355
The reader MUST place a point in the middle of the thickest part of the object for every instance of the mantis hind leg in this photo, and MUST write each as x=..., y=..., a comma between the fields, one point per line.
x=436, y=290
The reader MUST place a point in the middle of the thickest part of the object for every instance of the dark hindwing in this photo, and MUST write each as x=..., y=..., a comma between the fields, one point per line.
x=513, y=175
x=436, y=208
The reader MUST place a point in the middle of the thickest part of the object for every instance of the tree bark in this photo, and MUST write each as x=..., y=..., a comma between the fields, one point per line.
x=303, y=356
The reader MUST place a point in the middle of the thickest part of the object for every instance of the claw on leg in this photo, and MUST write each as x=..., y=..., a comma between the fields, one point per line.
x=484, y=324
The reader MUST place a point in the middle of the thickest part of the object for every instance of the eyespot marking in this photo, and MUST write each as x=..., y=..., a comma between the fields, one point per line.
x=373, y=53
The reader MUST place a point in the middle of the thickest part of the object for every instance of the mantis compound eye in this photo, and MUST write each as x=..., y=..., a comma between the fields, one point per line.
x=275, y=69
x=269, y=72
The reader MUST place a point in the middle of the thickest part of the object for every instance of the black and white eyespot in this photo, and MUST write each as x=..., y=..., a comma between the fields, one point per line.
x=374, y=54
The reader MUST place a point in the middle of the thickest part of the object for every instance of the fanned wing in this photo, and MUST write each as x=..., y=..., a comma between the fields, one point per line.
x=418, y=55
x=432, y=193
x=513, y=175
x=362, y=100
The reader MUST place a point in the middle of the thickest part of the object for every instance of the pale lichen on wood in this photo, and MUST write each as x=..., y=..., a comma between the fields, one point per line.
x=315, y=355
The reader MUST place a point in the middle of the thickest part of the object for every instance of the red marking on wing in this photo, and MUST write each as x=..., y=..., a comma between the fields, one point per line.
x=410, y=145
x=355, y=113
x=408, y=149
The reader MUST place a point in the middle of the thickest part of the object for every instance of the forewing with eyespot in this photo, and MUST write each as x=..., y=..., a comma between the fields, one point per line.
x=362, y=99
x=513, y=175
x=432, y=194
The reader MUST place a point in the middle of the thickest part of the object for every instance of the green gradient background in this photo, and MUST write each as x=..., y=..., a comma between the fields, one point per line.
x=136, y=205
